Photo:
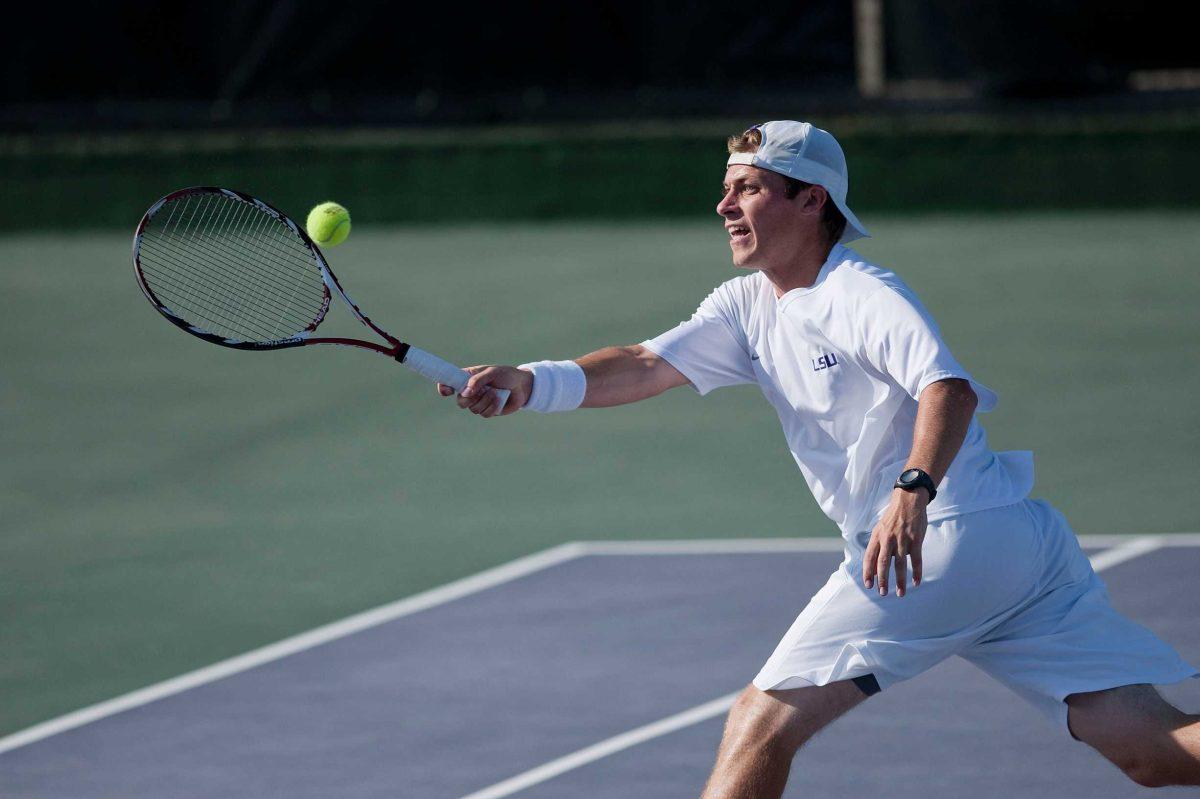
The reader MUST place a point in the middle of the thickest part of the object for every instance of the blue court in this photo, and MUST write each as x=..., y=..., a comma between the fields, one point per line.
x=590, y=670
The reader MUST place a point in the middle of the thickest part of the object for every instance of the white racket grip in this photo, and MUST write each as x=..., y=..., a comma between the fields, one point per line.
x=431, y=366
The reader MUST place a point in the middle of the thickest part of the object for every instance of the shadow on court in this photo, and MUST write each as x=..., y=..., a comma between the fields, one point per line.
x=462, y=695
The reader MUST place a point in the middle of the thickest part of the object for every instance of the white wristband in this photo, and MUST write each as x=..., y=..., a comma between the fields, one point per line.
x=557, y=386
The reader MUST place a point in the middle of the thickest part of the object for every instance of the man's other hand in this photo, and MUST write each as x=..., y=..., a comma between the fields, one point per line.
x=897, y=538
x=478, y=396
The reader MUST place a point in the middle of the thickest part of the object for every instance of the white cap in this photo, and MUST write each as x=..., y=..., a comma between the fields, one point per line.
x=804, y=152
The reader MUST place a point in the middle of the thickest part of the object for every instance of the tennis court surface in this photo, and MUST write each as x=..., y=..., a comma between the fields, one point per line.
x=588, y=670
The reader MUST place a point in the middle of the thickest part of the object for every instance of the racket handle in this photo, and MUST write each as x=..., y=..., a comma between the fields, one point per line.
x=431, y=366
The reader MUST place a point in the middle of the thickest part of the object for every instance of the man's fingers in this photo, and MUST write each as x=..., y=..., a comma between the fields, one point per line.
x=484, y=400
x=445, y=390
x=476, y=396
x=901, y=574
x=881, y=572
x=481, y=377
x=493, y=406
x=881, y=565
x=916, y=565
x=869, y=562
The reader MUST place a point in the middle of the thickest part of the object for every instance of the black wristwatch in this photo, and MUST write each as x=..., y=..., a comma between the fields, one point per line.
x=912, y=479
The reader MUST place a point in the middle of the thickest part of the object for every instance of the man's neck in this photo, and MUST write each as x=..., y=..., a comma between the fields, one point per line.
x=801, y=271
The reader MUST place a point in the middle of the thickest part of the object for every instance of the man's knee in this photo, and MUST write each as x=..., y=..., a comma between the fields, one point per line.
x=758, y=721
x=785, y=720
x=1147, y=768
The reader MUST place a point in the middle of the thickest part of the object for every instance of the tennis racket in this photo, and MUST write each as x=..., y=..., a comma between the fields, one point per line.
x=231, y=269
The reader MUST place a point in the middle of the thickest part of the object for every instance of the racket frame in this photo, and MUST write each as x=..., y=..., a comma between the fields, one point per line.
x=396, y=349
x=423, y=363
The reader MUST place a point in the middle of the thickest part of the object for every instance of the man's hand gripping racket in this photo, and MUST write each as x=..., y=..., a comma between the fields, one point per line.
x=230, y=269
x=488, y=387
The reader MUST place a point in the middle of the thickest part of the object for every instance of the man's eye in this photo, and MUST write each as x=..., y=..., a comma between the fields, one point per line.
x=749, y=188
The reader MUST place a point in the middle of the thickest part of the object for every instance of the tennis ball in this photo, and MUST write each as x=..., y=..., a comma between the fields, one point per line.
x=328, y=224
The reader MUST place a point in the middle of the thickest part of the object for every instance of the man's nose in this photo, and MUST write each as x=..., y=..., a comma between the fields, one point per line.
x=727, y=205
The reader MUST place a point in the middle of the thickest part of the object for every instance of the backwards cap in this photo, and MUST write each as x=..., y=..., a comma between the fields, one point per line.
x=804, y=152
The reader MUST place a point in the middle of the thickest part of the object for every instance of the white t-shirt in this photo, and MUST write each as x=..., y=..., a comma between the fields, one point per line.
x=843, y=361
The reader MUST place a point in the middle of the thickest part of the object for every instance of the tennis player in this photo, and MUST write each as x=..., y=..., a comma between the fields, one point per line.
x=881, y=419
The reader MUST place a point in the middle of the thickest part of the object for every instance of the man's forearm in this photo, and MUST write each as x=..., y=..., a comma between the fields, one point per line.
x=944, y=412
x=619, y=375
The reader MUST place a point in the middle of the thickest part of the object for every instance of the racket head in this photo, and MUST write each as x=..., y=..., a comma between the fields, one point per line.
x=231, y=269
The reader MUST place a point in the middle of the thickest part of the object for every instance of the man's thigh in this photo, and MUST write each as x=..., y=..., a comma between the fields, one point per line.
x=790, y=716
x=1122, y=718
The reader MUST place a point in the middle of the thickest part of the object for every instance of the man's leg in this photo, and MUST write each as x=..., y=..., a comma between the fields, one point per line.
x=763, y=732
x=1152, y=741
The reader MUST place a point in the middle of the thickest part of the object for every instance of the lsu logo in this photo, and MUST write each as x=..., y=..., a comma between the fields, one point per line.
x=824, y=362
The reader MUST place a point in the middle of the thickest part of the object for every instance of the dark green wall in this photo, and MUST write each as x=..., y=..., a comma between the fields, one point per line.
x=589, y=175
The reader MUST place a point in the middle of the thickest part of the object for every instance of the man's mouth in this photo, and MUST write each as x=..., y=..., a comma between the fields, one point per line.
x=738, y=232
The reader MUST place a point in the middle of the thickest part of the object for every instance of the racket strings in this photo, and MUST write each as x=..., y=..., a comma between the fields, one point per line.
x=230, y=268
x=198, y=302
x=248, y=235
x=202, y=297
x=257, y=282
x=216, y=316
x=170, y=253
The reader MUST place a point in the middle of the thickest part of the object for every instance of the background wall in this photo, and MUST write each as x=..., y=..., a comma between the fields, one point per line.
x=940, y=105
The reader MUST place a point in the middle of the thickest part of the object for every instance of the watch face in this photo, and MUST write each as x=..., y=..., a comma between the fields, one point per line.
x=909, y=475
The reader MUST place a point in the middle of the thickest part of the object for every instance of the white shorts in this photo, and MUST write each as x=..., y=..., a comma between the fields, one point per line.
x=1007, y=589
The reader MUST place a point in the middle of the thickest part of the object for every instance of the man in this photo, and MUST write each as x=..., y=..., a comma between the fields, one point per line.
x=880, y=418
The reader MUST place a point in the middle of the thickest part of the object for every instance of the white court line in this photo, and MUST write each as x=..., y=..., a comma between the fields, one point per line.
x=1125, y=550
x=297, y=643
x=607, y=747
x=454, y=590
x=1167, y=539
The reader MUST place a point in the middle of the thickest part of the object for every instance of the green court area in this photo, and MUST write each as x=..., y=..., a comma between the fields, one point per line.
x=165, y=503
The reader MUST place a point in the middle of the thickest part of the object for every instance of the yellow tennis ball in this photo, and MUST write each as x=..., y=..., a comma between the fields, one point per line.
x=328, y=224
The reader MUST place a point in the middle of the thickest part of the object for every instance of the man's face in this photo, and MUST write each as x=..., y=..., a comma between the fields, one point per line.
x=766, y=228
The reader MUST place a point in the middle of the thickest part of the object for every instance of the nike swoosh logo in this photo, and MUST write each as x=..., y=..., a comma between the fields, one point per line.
x=754, y=357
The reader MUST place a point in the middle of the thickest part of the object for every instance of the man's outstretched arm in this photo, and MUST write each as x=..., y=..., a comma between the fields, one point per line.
x=614, y=375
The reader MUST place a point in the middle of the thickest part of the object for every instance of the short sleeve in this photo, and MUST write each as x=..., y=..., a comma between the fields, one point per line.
x=709, y=349
x=901, y=340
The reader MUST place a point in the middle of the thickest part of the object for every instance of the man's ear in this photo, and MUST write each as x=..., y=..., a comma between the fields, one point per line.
x=815, y=198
